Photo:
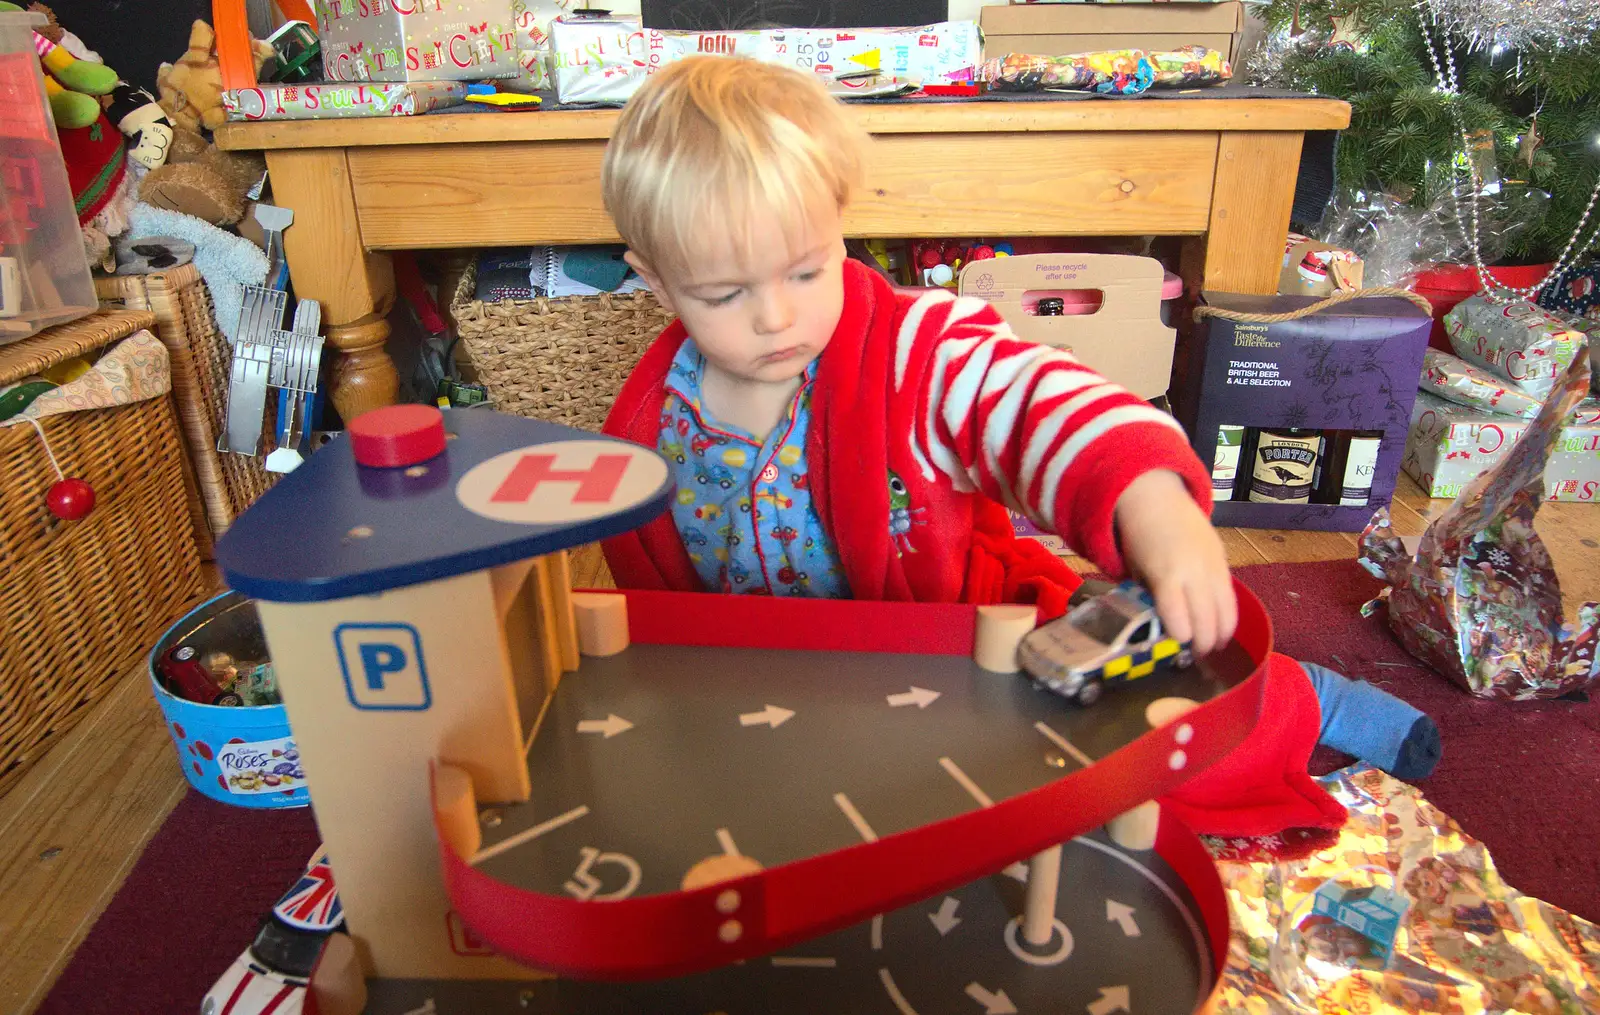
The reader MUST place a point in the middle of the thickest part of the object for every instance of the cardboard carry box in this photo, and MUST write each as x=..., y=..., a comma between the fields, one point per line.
x=1058, y=29
x=1124, y=339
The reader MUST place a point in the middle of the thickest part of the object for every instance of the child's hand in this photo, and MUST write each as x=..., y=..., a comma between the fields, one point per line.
x=1170, y=545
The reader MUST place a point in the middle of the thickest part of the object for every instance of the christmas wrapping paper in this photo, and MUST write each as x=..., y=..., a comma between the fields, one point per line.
x=606, y=59
x=1454, y=379
x=1112, y=72
x=1479, y=601
x=1466, y=943
x=1575, y=293
x=1450, y=445
x=1519, y=341
x=418, y=40
x=340, y=101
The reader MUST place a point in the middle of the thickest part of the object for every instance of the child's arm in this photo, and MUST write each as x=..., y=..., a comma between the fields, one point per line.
x=1031, y=427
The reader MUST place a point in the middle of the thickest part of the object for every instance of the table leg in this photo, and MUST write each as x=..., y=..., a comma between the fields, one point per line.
x=328, y=263
x=1242, y=251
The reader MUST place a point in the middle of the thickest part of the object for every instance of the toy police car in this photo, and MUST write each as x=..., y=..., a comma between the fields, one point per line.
x=1110, y=639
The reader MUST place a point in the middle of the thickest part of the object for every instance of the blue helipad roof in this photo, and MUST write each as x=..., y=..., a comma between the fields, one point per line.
x=333, y=529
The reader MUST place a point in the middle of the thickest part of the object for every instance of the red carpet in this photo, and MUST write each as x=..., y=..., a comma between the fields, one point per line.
x=1523, y=778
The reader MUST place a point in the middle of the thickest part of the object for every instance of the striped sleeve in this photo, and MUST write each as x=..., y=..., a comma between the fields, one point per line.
x=1029, y=426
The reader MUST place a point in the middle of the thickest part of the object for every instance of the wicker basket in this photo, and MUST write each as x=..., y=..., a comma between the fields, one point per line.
x=82, y=601
x=187, y=326
x=561, y=360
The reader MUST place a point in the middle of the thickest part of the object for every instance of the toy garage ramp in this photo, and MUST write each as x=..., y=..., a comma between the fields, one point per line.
x=842, y=760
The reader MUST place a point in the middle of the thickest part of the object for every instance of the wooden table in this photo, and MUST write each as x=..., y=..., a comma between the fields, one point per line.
x=1220, y=171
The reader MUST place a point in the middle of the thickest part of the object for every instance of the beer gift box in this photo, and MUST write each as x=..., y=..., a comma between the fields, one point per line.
x=1305, y=421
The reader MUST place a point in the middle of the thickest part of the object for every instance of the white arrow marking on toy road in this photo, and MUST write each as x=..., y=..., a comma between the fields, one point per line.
x=918, y=696
x=1122, y=915
x=1111, y=999
x=945, y=919
x=772, y=716
x=610, y=726
x=993, y=1004
x=1018, y=870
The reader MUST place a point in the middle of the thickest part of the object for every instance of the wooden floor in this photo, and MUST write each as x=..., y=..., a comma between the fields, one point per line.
x=75, y=824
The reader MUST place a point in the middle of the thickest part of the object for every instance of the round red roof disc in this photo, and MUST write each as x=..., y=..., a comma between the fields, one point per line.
x=397, y=436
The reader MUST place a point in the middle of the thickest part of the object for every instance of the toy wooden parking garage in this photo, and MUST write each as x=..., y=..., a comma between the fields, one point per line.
x=538, y=800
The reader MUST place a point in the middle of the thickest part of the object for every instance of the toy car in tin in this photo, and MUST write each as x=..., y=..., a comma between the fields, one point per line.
x=1112, y=638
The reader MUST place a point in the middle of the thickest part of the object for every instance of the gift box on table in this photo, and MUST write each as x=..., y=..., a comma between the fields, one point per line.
x=1325, y=403
x=1062, y=29
x=417, y=40
x=1450, y=445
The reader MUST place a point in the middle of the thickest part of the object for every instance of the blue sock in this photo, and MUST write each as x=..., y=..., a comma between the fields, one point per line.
x=1375, y=726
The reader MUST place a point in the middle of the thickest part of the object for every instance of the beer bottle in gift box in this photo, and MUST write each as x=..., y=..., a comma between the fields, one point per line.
x=1352, y=462
x=1225, y=467
x=1285, y=465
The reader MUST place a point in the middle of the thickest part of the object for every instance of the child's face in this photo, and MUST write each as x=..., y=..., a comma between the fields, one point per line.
x=764, y=316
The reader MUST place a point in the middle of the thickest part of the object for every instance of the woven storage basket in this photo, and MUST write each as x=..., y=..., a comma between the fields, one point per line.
x=82, y=601
x=561, y=360
x=201, y=358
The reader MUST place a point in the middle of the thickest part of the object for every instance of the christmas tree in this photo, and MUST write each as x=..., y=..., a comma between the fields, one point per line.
x=1532, y=91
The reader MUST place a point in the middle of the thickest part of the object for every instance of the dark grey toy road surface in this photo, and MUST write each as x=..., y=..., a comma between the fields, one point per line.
x=648, y=762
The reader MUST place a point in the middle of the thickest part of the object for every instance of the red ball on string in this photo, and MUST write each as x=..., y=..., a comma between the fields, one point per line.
x=70, y=499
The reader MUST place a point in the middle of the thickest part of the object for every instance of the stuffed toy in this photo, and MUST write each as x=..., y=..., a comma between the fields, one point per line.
x=202, y=180
x=145, y=126
x=73, y=85
x=191, y=89
x=102, y=190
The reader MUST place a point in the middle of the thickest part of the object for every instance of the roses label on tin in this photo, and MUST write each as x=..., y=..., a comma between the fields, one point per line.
x=264, y=766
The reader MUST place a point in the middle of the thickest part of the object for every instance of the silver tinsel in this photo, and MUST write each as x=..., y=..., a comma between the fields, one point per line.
x=1496, y=25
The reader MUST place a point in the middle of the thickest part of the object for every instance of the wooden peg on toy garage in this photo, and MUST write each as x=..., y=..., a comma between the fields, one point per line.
x=1136, y=828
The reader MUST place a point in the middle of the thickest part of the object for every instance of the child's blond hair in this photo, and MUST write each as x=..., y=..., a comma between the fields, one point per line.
x=714, y=142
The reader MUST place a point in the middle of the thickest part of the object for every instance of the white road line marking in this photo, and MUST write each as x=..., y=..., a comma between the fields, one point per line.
x=1201, y=947
x=801, y=962
x=877, y=933
x=862, y=828
x=966, y=782
x=725, y=840
x=898, y=998
x=1065, y=744
x=528, y=835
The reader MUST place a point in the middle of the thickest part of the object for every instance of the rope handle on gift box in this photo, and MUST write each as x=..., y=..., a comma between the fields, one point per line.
x=1203, y=311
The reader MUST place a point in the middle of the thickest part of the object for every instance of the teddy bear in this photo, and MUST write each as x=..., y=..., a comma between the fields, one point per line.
x=202, y=180
x=191, y=89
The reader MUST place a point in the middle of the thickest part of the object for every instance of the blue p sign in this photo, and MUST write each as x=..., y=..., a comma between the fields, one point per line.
x=382, y=666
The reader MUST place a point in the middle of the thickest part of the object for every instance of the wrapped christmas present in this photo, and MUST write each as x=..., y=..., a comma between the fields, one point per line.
x=1112, y=71
x=605, y=59
x=1519, y=341
x=1454, y=379
x=341, y=101
x=1449, y=445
